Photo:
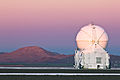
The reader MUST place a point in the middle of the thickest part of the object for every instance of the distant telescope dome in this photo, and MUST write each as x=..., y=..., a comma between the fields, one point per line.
x=91, y=34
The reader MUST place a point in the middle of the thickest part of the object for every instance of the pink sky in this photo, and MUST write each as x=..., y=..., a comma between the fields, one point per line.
x=54, y=23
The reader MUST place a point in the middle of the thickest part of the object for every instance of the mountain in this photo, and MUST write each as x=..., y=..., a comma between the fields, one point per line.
x=115, y=61
x=36, y=56
x=32, y=54
x=2, y=52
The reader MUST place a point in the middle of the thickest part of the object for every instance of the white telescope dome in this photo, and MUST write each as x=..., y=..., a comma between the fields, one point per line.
x=91, y=34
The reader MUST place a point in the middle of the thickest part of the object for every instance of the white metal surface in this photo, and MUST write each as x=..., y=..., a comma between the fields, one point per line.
x=90, y=34
x=90, y=53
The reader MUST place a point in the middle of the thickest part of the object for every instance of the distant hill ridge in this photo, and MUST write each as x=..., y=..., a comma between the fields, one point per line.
x=31, y=54
x=37, y=55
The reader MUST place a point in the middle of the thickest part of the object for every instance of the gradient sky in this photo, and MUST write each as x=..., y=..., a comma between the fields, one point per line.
x=53, y=24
